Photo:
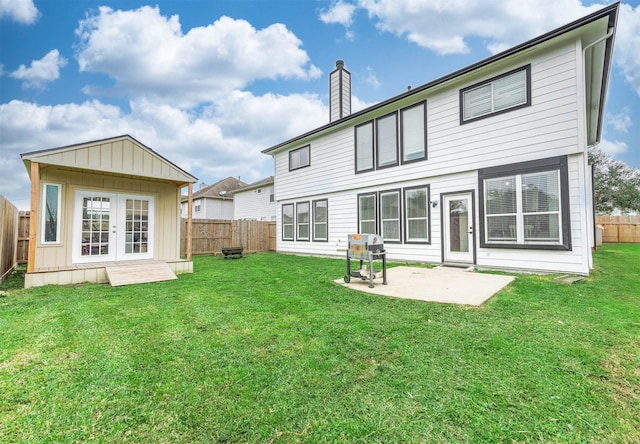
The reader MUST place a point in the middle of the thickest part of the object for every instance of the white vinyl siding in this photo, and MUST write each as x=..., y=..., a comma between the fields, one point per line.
x=364, y=147
x=51, y=204
x=499, y=94
x=416, y=210
x=413, y=133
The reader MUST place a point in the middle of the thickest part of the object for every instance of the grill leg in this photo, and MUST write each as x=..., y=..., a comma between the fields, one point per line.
x=370, y=270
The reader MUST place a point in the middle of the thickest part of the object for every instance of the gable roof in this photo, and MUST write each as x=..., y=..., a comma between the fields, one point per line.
x=118, y=155
x=260, y=183
x=597, y=95
x=226, y=186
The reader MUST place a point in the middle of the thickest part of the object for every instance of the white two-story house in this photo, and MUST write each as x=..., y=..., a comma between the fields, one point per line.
x=486, y=166
x=255, y=201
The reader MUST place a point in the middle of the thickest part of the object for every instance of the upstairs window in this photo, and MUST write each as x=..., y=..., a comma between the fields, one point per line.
x=503, y=93
x=387, y=141
x=364, y=147
x=51, y=213
x=413, y=133
x=299, y=158
x=272, y=196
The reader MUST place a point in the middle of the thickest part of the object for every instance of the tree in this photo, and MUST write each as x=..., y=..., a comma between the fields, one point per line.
x=617, y=185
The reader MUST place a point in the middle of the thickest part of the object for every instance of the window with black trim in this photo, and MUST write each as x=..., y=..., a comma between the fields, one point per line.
x=299, y=158
x=364, y=147
x=390, y=215
x=320, y=220
x=197, y=206
x=526, y=205
x=272, y=196
x=413, y=133
x=287, y=222
x=51, y=213
x=416, y=214
x=302, y=221
x=506, y=92
x=387, y=141
x=367, y=209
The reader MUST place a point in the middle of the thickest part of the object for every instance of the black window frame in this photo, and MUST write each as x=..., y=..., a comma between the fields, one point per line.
x=297, y=222
x=376, y=142
x=293, y=222
x=526, y=68
x=313, y=219
x=305, y=147
x=401, y=132
x=375, y=212
x=536, y=166
x=405, y=218
x=380, y=221
x=372, y=148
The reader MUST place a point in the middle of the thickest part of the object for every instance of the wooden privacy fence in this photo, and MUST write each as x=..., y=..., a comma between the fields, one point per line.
x=8, y=237
x=209, y=236
x=619, y=228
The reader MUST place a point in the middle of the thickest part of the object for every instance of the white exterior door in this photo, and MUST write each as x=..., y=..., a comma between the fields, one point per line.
x=111, y=227
x=458, y=228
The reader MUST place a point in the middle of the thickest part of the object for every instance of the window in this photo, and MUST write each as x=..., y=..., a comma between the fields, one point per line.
x=390, y=215
x=299, y=158
x=364, y=147
x=367, y=213
x=197, y=206
x=272, y=196
x=320, y=220
x=302, y=220
x=287, y=222
x=506, y=92
x=387, y=141
x=416, y=208
x=413, y=134
x=51, y=213
x=526, y=205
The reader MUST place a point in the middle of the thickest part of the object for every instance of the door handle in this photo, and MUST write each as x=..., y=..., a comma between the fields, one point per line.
x=470, y=230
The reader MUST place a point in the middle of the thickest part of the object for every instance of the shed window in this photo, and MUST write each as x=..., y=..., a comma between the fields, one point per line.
x=506, y=92
x=302, y=221
x=51, y=213
x=299, y=158
x=287, y=222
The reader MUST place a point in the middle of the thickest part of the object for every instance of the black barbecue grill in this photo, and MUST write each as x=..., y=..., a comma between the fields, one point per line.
x=366, y=248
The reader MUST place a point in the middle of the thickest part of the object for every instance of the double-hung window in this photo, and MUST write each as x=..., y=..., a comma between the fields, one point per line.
x=413, y=133
x=387, y=141
x=526, y=205
x=51, y=213
x=506, y=92
x=320, y=220
x=364, y=147
x=367, y=211
x=302, y=221
x=287, y=222
x=299, y=158
x=416, y=210
x=390, y=215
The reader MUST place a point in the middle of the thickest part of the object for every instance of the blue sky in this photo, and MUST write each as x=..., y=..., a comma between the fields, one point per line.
x=209, y=84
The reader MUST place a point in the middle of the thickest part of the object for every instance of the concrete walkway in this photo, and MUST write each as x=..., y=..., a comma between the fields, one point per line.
x=439, y=284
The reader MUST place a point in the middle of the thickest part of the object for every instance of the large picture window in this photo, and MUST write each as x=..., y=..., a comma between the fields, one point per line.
x=506, y=92
x=287, y=222
x=51, y=213
x=413, y=134
x=416, y=209
x=302, y=221
x=367, y=213
x=526, y=205
x=320, y=220
x=390, y=215
x=364, y=147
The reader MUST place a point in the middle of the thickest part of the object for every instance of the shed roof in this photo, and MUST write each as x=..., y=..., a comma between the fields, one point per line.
x=117, y=155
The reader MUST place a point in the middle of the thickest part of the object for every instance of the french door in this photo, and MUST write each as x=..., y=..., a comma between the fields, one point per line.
x=111, y=227
x=458, y=228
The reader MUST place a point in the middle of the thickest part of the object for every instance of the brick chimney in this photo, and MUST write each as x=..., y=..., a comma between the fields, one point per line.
x=339, y=92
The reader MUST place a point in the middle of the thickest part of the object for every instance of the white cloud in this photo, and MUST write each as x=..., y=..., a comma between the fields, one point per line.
x=22, y=11
x=613, y=148
x=444, y=27
x=339, y=12
x=42, y=71
x=626, y=53
x=620, y=122
x=371, y=78
x=148, y=55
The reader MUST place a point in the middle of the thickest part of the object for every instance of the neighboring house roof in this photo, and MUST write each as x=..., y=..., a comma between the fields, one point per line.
x=223, y=189
x=596, y=83
x=260, y=183
x=118, y=155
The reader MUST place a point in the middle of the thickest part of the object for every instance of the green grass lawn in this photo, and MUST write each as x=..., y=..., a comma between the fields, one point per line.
x=268, y=349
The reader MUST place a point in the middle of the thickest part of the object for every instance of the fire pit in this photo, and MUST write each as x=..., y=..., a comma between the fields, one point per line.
x=369, y=248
